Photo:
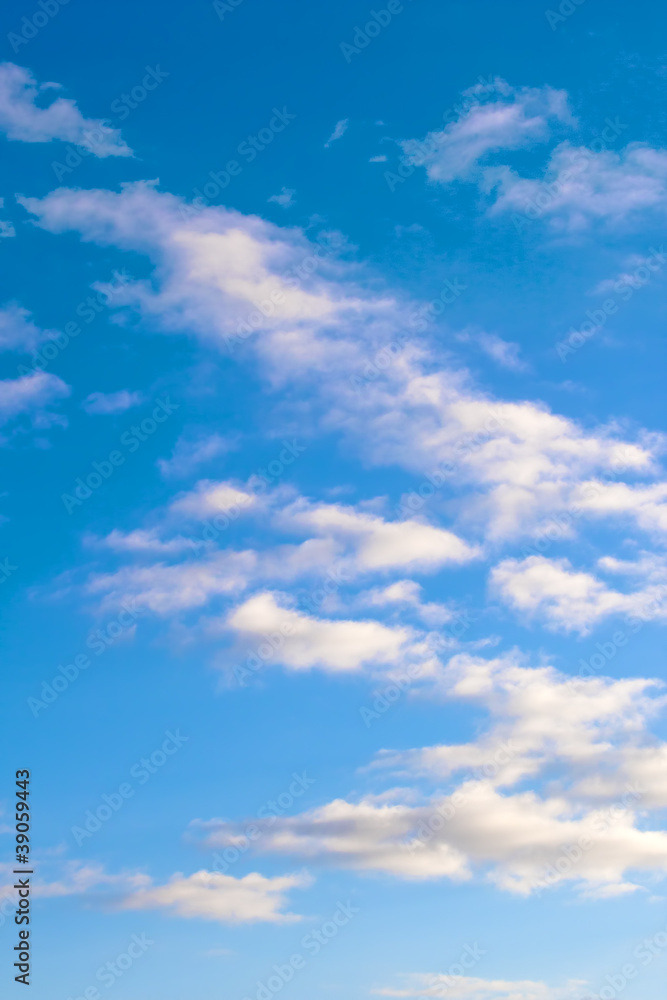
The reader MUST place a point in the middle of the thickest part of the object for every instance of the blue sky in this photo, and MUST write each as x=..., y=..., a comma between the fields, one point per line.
x=332, y=416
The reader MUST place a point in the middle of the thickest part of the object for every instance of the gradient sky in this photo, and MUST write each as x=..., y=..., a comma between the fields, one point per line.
x=333, y=517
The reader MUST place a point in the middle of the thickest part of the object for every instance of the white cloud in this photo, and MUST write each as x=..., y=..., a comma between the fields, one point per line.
x=17, y=331
x=227, y=277
x=6, y=228
x=461, y=987
x=204, y=895
x=567, y=599
x=380, y=544
x=542, y=718
x=79, y=877
x=141, y=542
x=73, y=878
x=285, y=199
x=305, y=642
x=192, y=450
x=519, y=462
x=208, y=895
x=645, y=504
x=523, y=462
x=338, y=132
x=499, y=117
x=210, y=497
x=32, y=395
x=639, y=271
x=342, y=544
x=580, y=187
x=408, y=594
x=504, y=352
x=580, y=743
x=23, y=119
x=105, y=403
x=170, y=589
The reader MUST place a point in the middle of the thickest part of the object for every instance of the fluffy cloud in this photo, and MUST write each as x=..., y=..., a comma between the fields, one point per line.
x=212, y=896
x=542, y=718
x=143, y=541
x=407, y=593
x=225, y=276
x=18, y=332
x=568, y=599
x=210, y=497
x=215, y=274
x=342, y=544
x=168, y=589
x=580, y=187
x=204, y=895
x=306, y=642
x=22, y=118
x=522, y=462
x=381, y=544
x=645, y=504
x=31, y=395
x=583, y=745
x=497, y=117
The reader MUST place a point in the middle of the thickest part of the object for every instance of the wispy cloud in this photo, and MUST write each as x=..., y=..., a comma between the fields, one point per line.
x=23, y=119
x=285, y=199
x=338, y=132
